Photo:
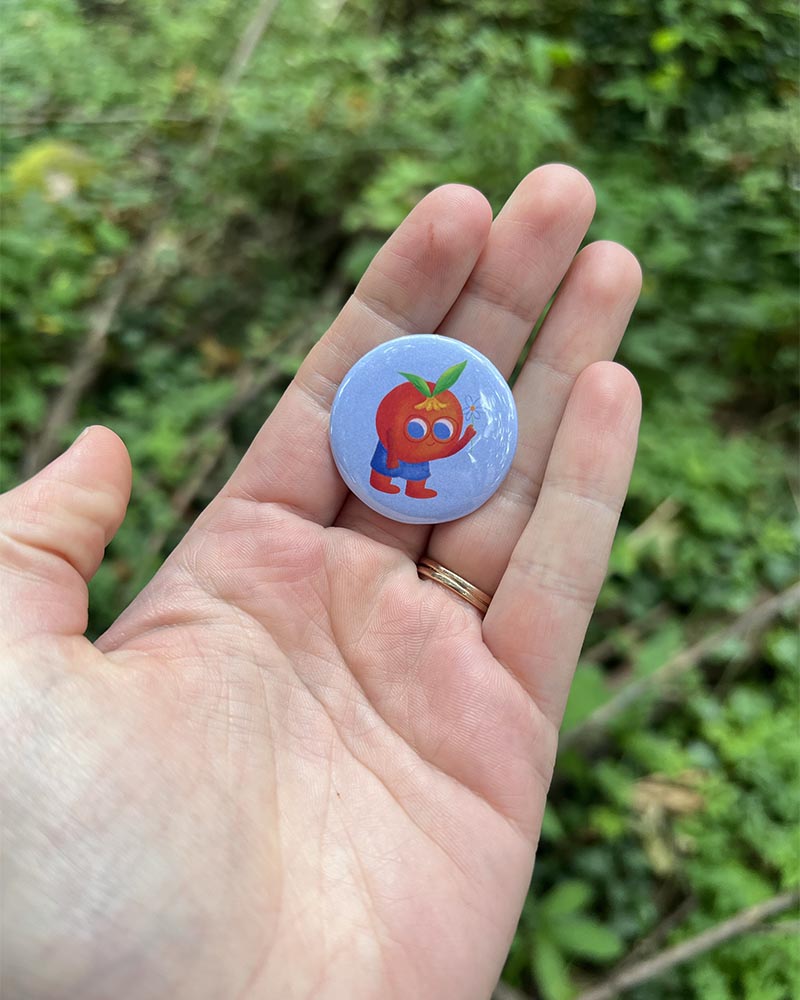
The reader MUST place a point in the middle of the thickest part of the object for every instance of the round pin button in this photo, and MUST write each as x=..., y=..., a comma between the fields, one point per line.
x=423, y=429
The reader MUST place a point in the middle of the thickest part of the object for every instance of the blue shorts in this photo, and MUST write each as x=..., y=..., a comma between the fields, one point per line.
x=414, y=471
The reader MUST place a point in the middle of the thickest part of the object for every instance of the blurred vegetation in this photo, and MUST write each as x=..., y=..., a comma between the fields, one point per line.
x=182, y=219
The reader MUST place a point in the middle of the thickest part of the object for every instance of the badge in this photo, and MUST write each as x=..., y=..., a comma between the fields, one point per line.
x=423, y=429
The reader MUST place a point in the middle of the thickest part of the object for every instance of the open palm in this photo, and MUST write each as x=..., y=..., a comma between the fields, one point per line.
x=293, y=769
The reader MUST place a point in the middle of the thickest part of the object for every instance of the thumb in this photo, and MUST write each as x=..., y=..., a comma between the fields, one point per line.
x=53, y=531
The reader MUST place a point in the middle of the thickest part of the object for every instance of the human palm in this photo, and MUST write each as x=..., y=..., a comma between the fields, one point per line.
x=292, y=768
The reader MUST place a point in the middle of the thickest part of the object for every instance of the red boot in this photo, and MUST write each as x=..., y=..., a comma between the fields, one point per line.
x=382, y=483
x=416, y=488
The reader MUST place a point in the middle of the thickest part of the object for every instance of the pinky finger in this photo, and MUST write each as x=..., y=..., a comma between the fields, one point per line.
x=538, y=617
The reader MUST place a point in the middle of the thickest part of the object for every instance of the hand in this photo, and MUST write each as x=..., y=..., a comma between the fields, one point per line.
x=293, y=769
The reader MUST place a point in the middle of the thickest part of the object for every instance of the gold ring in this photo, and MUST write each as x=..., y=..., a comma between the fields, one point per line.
x=429, y=569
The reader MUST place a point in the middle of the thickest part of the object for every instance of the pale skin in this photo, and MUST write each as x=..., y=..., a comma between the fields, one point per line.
x=292, y=769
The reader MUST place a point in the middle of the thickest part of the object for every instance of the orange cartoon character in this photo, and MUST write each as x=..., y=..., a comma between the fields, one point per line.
x=417, y=422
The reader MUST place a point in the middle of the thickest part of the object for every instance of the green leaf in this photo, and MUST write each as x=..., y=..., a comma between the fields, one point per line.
x=567, y=897
x=666, y=40
x=782, y=648
x=656, y=650
x=586, y=938
x=419, y=383
x=552, y=827
x=550, y=970
x=449, y=377
x=589, y=691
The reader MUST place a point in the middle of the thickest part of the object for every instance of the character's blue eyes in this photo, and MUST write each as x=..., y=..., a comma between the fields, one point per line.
x=443, y=429
x=416, y=428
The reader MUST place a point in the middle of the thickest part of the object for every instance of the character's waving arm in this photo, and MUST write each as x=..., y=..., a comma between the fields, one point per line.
x=457, y=445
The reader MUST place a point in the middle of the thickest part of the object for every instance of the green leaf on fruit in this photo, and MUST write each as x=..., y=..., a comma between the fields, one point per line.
x=419, y=383
x=449, y=377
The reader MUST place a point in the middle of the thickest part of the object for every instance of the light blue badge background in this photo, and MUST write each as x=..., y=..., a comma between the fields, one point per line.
x=464, y=481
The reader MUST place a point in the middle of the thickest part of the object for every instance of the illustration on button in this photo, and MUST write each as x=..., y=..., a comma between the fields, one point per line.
x=418, y=422
x=423, y=429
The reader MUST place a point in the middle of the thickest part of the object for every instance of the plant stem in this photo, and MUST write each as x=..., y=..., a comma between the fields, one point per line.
x=754, y=619
x=742, y=922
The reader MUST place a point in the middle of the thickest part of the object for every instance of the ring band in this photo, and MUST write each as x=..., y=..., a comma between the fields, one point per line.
x=429, y=569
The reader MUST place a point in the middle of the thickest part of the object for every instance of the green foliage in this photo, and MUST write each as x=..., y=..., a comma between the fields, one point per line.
x=685, y=116
x=558, y=929
x=702, y=807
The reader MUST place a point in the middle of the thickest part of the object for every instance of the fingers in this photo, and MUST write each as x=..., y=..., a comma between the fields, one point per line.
x=531, y=244
x=408, y=288
x=53, y=531
x=585, y=324
x=537, y=620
